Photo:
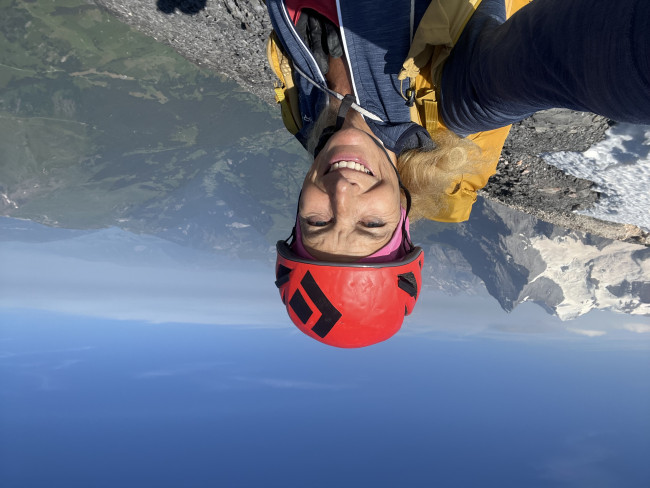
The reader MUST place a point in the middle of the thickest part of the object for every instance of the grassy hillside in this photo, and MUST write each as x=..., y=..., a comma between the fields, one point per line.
x=99, y=123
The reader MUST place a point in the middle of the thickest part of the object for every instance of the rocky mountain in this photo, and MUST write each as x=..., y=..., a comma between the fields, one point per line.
x=568, y=273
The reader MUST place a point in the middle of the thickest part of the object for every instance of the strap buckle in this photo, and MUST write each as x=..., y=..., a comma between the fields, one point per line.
x=410, y=96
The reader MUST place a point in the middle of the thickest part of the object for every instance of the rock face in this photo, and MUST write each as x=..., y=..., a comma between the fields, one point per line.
x=525, y=182
x=228, y=37
x=517, y=180
x=225, y=36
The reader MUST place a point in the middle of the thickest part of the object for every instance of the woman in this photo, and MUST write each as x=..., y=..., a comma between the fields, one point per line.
x=432, y=87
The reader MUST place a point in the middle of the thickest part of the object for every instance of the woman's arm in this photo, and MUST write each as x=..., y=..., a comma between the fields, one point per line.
x=590, y=55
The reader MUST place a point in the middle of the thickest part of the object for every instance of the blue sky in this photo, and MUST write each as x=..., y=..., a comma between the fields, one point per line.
x=124, y=403
x=130, y=361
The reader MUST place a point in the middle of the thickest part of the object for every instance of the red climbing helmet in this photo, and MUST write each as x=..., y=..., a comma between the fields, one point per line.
x=348, y=304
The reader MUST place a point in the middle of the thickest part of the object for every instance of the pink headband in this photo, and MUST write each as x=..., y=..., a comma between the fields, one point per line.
x=392, y=251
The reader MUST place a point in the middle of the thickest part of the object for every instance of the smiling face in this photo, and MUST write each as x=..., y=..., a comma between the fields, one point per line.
x=350, y=202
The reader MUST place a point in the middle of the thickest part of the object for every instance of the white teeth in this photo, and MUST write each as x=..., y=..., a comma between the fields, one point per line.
x=350, y=165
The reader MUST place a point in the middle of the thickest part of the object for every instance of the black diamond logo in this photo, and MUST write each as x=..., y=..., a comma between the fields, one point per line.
x=329, y=314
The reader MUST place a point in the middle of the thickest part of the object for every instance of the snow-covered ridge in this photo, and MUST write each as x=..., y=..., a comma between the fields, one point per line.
x=568, y=273
x=620, y=167
x=610, y=278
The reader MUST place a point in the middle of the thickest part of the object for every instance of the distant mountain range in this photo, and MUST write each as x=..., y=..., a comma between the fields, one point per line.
x=568, y=273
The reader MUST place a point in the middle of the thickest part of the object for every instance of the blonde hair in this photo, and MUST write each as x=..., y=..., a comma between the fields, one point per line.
x=431, y=174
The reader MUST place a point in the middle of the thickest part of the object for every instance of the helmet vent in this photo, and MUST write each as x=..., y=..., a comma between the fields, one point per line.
x=408, y=283
x=282, y=275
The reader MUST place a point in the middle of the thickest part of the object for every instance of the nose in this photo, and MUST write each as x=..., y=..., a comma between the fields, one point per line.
x=342, y=193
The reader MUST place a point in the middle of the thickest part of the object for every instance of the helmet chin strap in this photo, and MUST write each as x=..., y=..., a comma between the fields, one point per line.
x=328, y=132
x=346, y=103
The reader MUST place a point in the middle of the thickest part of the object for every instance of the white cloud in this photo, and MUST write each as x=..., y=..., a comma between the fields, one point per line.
x=178, y=370
x=638, y=328
x=587, y=332
x=222, y=293
x=44, y=352
x=284, y=383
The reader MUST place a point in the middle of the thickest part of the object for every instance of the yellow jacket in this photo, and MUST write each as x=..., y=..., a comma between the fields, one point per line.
x=438, y=31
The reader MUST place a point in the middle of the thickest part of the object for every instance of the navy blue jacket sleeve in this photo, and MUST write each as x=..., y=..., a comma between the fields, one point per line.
x=589, y=55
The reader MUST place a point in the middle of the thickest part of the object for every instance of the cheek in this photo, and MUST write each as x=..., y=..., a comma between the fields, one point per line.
x=390, y=195
x=312, y=199
x=388, y=203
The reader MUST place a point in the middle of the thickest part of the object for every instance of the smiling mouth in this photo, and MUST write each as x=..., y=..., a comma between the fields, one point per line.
x=349, y=165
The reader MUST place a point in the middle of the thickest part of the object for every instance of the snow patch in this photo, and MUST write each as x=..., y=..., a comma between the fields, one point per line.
x=585, y=274
x=620, y=167
x=238, y=225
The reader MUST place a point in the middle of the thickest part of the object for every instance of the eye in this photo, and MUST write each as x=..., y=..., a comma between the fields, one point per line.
x=315, y=220
x=317, y=223
x=374, y=224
